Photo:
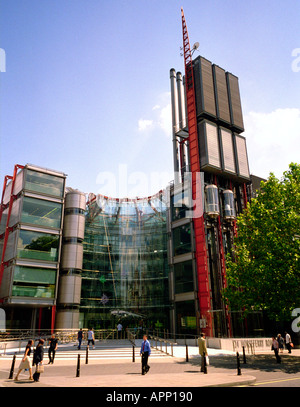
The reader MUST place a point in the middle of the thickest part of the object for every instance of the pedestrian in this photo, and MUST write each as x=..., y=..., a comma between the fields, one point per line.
x=26, y=362
x=38, y=357
x=145, y=352
x=91, y=337
x=119, y=328
x=53, y=344
x=79, y=337
x=280, y=341
x=202, y=351
x=288, y=342
x=275, y=348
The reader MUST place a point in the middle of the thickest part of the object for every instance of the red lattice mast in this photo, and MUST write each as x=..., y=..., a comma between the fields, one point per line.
x=198, y=218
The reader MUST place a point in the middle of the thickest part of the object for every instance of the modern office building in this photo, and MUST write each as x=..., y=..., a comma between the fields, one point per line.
x=69, y=260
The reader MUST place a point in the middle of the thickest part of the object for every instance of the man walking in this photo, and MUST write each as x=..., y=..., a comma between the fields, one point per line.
x=145, y=353
x=91, y=338
x=288, y=342
x=53, y=343
x=79, y=338
x=202, y=351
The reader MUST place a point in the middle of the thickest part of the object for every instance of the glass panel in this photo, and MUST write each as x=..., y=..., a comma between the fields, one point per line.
x=38, y=246
x=44, y=183
x=186, y=317
x=125, y=264
x=182, y=240
x=30, y=291
x=34, y=275
x=180, y=204
x=183, y=276
x=40, y=212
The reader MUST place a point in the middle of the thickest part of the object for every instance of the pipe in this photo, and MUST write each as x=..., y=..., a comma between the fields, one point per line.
x=175, y=115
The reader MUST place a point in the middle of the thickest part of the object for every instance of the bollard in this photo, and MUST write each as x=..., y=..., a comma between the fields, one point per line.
x=78, y=366
x=204, y=367
x=11, y=373
x=238, y=364
x=133, y=354
x=87, y=356
x=186, y=353
x=244, y=355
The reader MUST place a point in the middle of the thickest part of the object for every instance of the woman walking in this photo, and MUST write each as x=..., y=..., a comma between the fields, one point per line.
x=26, y=362
x=38, y=360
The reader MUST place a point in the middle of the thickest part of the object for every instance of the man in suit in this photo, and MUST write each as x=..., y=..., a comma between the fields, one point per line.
x=145, y=353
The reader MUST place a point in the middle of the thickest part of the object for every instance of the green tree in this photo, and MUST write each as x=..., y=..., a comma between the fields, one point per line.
x=263, y=272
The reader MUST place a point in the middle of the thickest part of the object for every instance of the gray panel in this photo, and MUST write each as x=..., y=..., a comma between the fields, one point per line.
x=213, y=145
x=241, y=156
x=235, y=101
x=72, y=255
x=69, y=289
x=227, y=150
x=67, y=319
x=204, y=87
x=75, y=200
x=221, y=94
x=74, y=226
x=6, y=281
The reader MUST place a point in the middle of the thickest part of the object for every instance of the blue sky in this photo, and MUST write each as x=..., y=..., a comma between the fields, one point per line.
x=86, y=87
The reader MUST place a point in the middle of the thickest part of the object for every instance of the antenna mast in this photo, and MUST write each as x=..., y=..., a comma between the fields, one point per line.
x=198, y=218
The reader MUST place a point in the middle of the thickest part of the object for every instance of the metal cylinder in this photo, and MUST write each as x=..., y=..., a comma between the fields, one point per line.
x=175, y=117
x=181, y=101
x=229, y=209
x=69, y=290
x=212, y=201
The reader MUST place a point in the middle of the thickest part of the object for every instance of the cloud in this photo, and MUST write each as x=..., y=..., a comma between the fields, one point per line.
x=272, y=140
x=160, y=116
x=144, y=124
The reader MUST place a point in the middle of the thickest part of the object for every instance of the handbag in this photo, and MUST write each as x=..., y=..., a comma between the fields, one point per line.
x=207, y=360
x=39, y=368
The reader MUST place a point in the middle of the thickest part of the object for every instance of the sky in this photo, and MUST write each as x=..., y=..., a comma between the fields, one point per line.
x=85, y=88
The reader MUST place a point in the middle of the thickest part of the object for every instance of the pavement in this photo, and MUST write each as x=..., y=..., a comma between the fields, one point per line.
x=112, y=366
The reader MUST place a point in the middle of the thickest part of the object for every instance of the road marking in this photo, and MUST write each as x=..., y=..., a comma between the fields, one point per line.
x=275, y=381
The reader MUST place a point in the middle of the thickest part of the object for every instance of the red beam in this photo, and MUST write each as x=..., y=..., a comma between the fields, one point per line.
x=198, y=218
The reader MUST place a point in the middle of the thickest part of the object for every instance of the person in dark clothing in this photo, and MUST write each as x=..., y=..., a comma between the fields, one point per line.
x=38, y=357
x=145, y=353
x=53, y=342
x=79, y=338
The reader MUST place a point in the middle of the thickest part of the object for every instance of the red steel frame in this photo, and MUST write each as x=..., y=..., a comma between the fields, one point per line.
x=223, y=267
x=3, y=207
x=198, y=219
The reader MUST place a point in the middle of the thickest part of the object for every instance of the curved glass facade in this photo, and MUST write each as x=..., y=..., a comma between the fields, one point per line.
x=125, y=263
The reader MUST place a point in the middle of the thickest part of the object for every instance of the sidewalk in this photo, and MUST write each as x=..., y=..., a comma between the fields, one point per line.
x=165, y=372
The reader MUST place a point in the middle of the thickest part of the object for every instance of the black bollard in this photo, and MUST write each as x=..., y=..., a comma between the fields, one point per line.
x=204, y=364
x=11, y=373
x=78, y=366
x=238, y=364
x=186, y=353
x=87, y=356
x=244, y=355
x=133, y=354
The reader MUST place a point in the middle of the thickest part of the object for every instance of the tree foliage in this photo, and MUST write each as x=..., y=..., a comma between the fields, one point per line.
x=263, y=272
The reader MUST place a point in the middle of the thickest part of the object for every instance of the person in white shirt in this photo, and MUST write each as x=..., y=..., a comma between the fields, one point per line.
x=119, y=328
x=288, y=342
x=91, y=337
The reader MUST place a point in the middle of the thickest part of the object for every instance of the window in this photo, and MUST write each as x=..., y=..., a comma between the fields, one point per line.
x=183, y=276
x=180, y=204
x=44, y=183
x=38, y=246
x=182, y=242
x=42, y=213
x=34, y=282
